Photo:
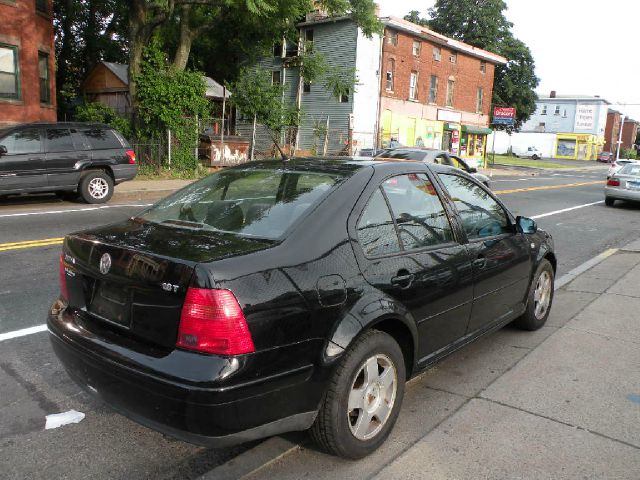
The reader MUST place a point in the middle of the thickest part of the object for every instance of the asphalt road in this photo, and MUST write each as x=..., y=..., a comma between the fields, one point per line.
x=569, y=204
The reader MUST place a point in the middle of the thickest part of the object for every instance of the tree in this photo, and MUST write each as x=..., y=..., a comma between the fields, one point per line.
x=482, y=23
x=414, y=17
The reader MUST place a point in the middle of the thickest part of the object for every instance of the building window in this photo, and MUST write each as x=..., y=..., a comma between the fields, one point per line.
x=391, y=66
x=453, y=58
x=416, y=48
x=479, y=100
x=544, y=110
x=483, y=66
x=275, y=77
x=291, y=48
x=42, y=7
x=344, y=97
x=433, y=89
x=43, y=74
x=413, y=86
x=306, y=87
x=451, y=84
x=277, y=49
x=9, y=73
x=437, y=54
x=392, y=38
x=564, y=113
x=308, y=40
x=557, y=110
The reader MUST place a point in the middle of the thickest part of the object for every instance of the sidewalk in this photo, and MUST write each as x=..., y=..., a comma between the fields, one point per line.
x=147, y=189
x=559, y=403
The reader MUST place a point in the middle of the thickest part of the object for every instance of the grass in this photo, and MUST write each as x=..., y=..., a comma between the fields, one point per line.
x=527, y=162
x=150, y=172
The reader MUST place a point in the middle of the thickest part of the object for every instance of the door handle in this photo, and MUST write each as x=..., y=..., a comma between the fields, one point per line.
x=403, y=279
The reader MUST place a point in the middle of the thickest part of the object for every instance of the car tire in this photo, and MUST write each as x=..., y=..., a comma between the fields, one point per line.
x=535, y=157
x=539, y=299
x=608, y=201
x=341, y=427
x=96, y=186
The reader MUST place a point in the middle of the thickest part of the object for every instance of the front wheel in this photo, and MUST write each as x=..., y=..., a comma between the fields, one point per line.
x=363, y=398
x=96, y=187
x=539, y=299
x=535, y=157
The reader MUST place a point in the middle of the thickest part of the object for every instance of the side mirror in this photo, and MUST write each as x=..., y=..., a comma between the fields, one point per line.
x=526, y=225
x=3, y=150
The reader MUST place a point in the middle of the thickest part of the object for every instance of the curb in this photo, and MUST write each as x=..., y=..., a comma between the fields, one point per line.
x=572, y=274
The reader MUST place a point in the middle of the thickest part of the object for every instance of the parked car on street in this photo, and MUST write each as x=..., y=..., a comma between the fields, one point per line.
x=623, y=185
x=278, y=296
x=70, y=158
x=428, y=155
x=530, y=152
x=618, y=164
x=605, y=157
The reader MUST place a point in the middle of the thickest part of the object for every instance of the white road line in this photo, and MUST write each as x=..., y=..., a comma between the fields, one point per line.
x=22, y=333
x=556, y=212
x=70, y=210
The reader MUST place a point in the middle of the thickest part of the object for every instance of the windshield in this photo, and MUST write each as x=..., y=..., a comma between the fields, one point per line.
x=255, y=202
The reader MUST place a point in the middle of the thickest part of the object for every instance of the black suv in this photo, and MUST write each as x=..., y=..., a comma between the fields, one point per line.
x=67, y=158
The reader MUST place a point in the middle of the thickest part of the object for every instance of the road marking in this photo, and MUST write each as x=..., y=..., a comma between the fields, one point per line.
x=22, y=333
x=71, y=210
x=45, y=242
x=555, y=212
x=548, y=187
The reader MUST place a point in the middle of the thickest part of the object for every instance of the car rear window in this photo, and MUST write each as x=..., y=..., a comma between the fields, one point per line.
x=100, y=138
x=630, y=169
x=253, y=202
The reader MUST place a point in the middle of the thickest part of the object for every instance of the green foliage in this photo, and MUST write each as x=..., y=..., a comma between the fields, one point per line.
x=100, y=113
x=171, y=99
x=482, y=23
x=339, y=81
x=414, y=17
x=628, y=153
x=255, y=95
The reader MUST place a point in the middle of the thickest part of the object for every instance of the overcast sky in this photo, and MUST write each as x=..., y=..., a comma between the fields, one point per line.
x=586, y=47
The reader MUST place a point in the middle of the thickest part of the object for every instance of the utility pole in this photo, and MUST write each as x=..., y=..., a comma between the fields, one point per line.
x=620, y=139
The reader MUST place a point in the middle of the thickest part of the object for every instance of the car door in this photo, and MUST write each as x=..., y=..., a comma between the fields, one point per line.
x=501, y=257
x=410, y=251
x=22, y=167
x=62, y=156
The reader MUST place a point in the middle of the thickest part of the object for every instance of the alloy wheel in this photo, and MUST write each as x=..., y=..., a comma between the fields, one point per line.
x=542, y=295
x=372, y=395
x=98, y=188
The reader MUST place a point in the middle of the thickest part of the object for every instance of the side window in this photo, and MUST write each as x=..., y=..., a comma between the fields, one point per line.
x=24, y=141
x=79, y=140
x=101, y=139
x=481, y=215
x=59, y=140
x=420, y=216
x=376, y=232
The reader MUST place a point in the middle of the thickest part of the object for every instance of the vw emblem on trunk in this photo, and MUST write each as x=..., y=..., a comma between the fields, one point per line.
x=105, y=263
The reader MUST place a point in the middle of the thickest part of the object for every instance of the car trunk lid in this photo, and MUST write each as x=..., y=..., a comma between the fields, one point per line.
x=134, y=276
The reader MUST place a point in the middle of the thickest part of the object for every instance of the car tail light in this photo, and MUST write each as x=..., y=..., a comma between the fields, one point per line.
x=64, y=292
x=212, y=322
x=132, y=157
x=613, y=182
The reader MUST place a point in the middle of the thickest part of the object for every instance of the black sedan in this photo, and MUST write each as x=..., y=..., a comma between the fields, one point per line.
x=279, y=296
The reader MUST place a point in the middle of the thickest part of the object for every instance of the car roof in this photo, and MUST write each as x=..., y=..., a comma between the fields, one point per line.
x=59, y=124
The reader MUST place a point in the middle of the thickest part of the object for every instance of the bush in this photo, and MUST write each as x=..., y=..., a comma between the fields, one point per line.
x=628, y=153
x=100, y=113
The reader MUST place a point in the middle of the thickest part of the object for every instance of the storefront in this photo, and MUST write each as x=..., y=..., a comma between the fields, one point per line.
x=473, y=143
x=451, y=138
x=578, y=146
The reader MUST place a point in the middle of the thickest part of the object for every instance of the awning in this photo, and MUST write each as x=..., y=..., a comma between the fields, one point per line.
x=477, y=130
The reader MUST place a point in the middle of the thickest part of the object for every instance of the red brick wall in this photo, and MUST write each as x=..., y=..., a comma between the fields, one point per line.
x=466, y=72
x=611, y=132
x=31, y=32
x=629, y=132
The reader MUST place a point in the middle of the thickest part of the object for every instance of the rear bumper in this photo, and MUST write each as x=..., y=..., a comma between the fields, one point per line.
x=212, y=413
x=122, y=173
x=622, y=194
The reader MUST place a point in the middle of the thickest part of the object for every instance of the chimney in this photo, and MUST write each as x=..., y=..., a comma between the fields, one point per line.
x=552, y=94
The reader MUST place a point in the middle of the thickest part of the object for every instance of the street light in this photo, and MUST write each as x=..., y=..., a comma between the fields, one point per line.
x=620, y=139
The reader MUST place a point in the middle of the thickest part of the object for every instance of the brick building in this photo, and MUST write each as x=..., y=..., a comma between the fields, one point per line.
x=629, y=133
x=27, y=60
x=612, y=131
x=435, y=91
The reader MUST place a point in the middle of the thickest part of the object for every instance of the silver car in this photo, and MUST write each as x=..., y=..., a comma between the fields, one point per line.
x=430, y=155
x=623, y=185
